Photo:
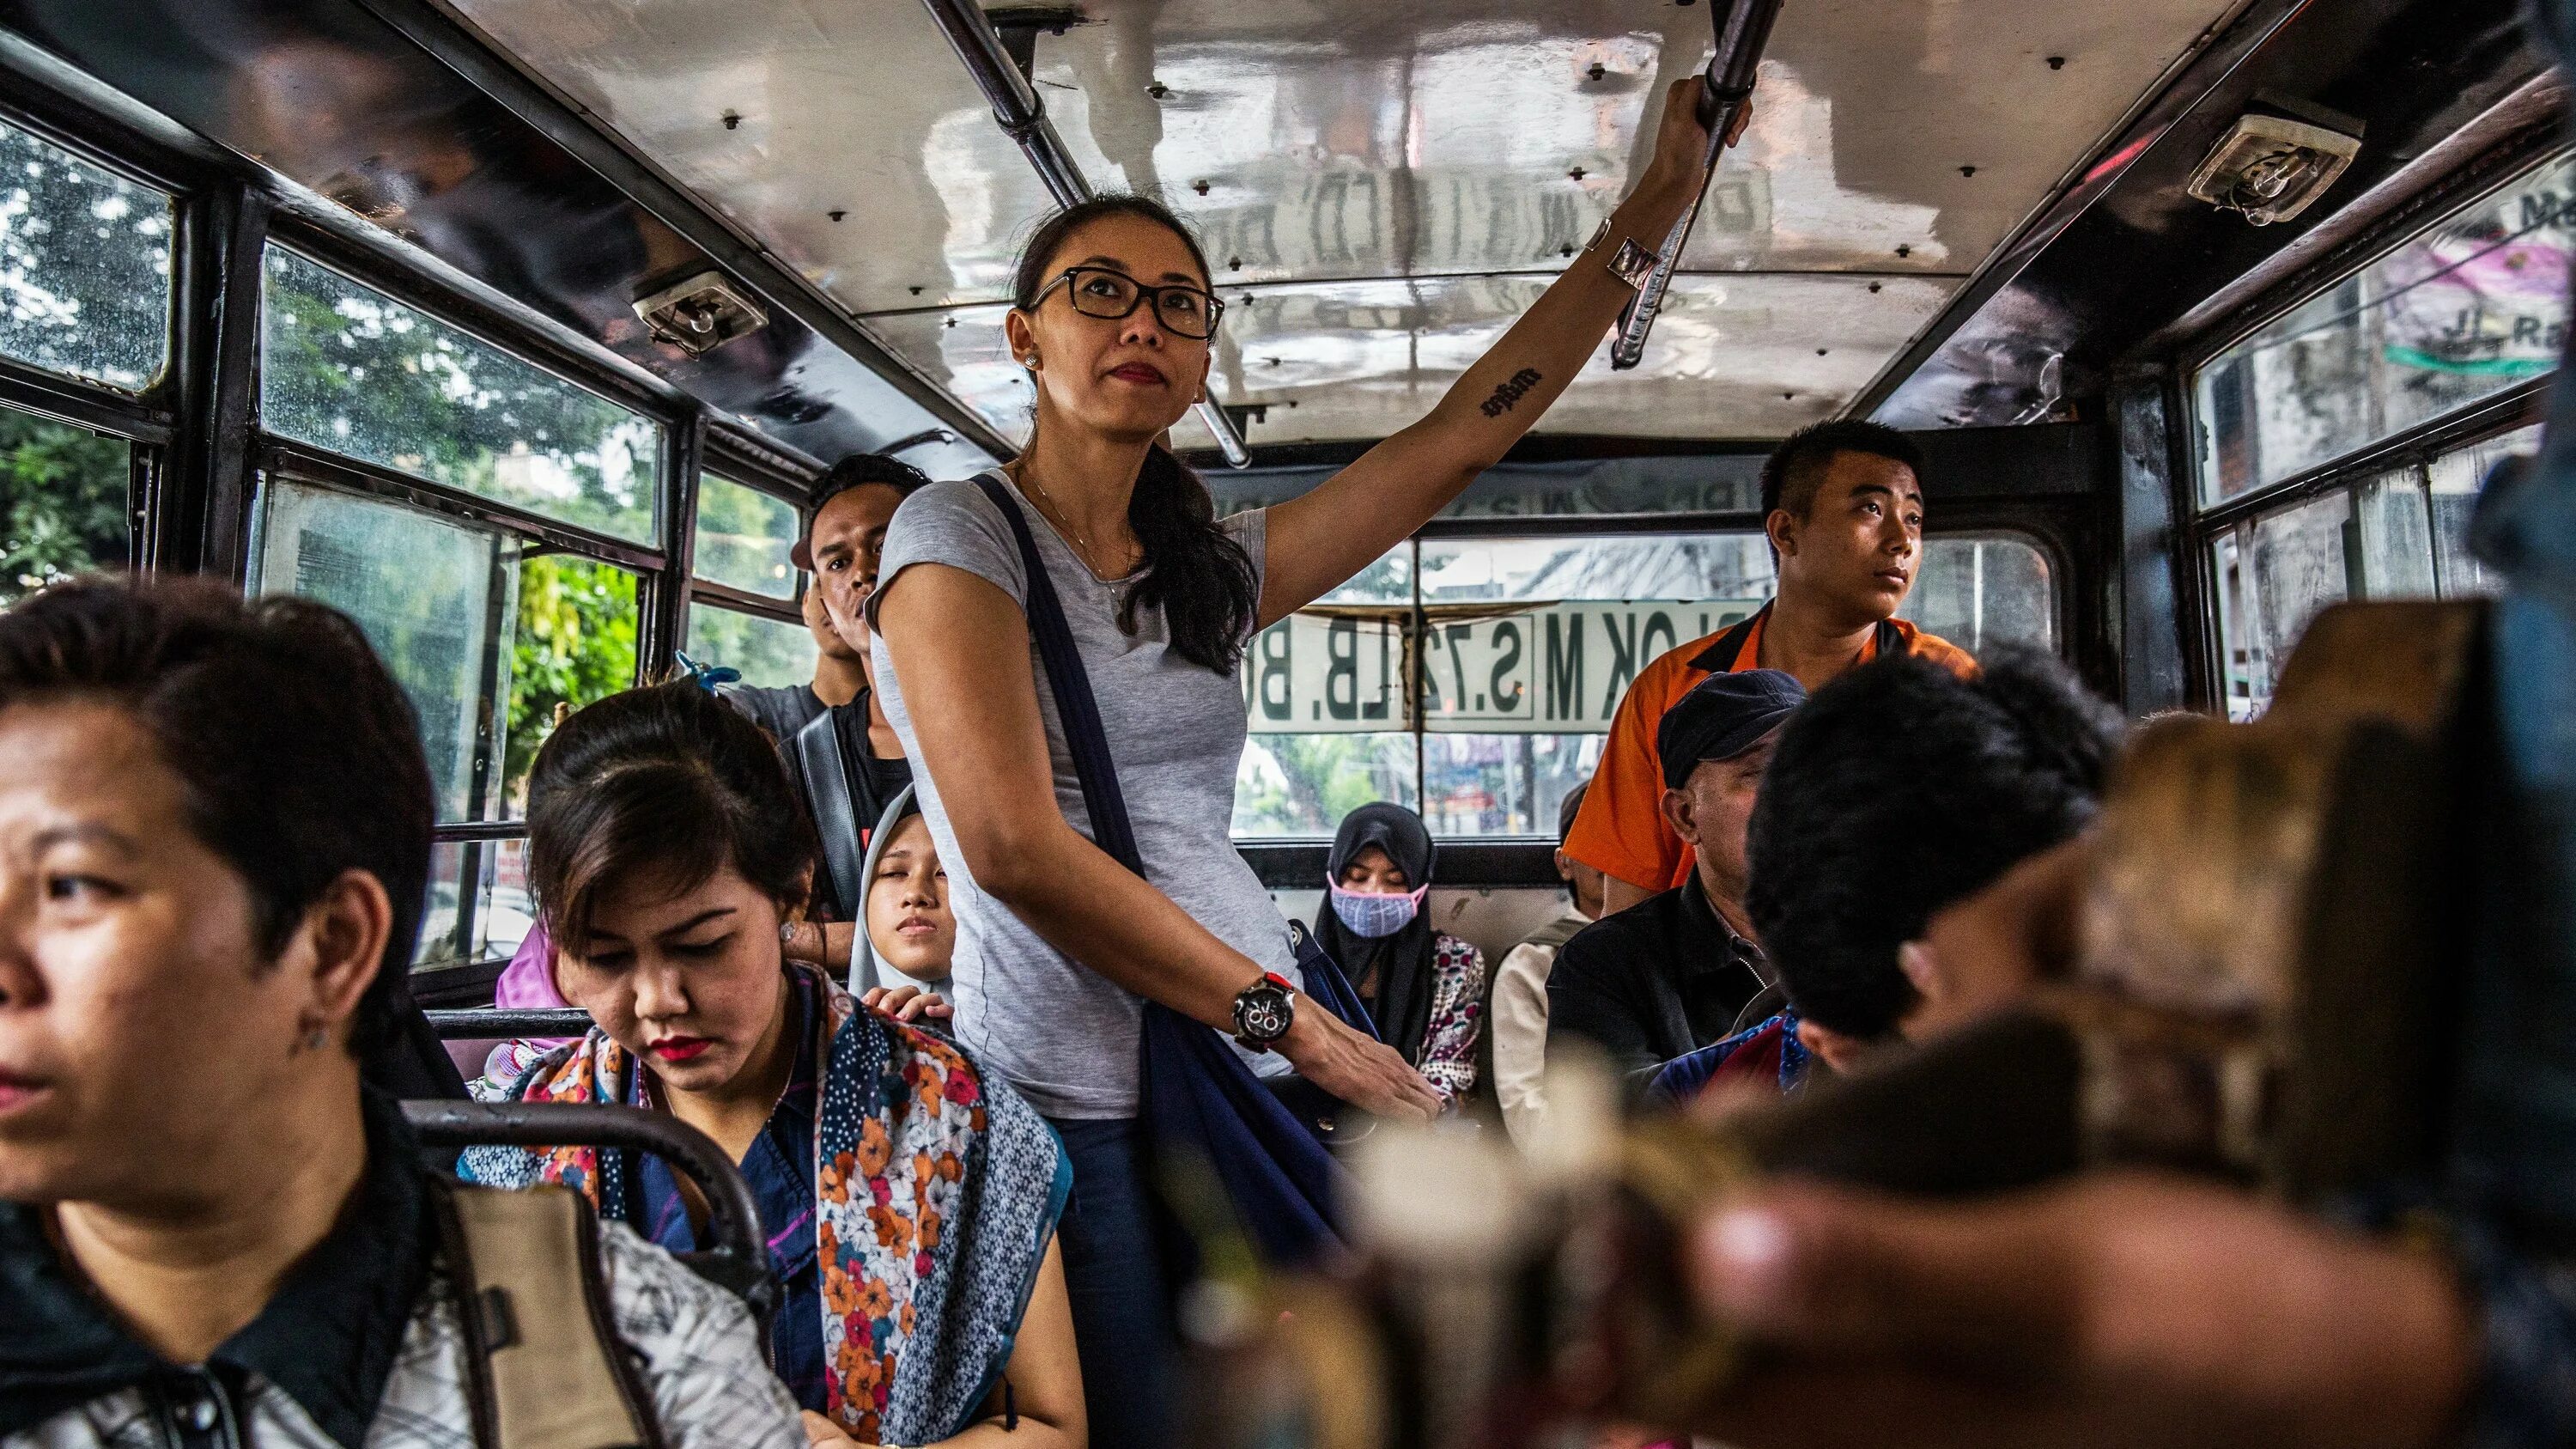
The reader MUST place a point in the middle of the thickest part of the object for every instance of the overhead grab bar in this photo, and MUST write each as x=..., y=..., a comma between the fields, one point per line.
x=1743, y=29
x=1022, y=115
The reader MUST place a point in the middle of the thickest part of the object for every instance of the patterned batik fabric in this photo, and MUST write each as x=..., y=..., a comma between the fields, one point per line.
x=936, y=1191
x=695, y=1344
x=1457, y=1015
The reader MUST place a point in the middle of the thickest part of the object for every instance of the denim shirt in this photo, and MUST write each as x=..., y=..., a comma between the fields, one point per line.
x=780, y=1168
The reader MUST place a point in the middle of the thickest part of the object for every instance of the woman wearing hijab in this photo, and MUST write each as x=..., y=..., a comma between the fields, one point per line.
x=1424, y=989
x=911, y=935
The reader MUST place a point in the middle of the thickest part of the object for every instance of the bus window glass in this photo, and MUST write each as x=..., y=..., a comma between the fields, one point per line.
x=771, y=653
x=84, y=266
x=575, y=644
x=2456, y=478
x=2471, y=306
x=346, y=368
x=1301, y=785
x=432, y=594
x=1521, y=650
x=1388, y=581
x=1977, y=590
x=479, y=908
x=743, y=538
x=63, y=502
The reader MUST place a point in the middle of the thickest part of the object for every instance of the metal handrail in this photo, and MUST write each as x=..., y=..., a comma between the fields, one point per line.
x=490, y=1021
x=1021, y=112
x=738, y=1263
x=1743, y=29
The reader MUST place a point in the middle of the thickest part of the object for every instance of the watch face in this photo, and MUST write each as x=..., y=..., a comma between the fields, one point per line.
x=1262, y=1013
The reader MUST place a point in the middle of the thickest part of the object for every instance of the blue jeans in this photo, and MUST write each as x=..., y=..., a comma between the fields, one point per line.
x=1113, y=1272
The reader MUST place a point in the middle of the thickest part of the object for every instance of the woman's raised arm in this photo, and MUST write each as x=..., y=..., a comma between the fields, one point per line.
x=961, y=649
x=1322, y=538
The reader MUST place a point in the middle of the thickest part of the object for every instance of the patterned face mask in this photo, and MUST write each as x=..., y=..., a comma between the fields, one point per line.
x=1371, y=915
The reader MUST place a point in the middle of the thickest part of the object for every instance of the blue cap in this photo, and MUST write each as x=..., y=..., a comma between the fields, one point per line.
x=1723, y=716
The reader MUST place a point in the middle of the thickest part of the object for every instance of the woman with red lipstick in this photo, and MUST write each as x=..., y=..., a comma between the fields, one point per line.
x=910, y=1200
x=1062, y=944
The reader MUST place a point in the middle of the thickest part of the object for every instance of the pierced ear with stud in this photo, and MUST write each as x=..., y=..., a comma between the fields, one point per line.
x=310, y=1036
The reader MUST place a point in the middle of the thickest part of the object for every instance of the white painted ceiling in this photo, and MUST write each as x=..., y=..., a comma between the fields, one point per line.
x=1387, y=182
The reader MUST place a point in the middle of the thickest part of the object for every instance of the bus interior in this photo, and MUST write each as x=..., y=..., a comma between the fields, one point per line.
x=519, y=329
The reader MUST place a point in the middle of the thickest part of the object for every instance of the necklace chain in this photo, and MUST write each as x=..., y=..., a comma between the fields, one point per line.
x=1064, y=520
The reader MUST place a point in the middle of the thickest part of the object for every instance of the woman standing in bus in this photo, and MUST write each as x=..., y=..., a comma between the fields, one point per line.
x=1058, y=945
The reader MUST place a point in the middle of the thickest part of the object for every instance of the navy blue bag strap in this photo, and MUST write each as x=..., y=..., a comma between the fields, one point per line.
x=1070, y=682
x=1283, y=1183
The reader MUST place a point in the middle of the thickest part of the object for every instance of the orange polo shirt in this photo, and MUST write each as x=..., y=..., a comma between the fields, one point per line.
x=1621, y=828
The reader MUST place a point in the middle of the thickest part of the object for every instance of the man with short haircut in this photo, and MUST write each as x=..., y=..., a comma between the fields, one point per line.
x=846, y=759
x=1843, y=505
x=1899, y=791
x=214, y=858
x=1515, y=1039
x=1675, y=973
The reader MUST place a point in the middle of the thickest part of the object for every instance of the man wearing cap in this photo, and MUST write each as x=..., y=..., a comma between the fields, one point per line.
x=1674, y=973
x=847, y=760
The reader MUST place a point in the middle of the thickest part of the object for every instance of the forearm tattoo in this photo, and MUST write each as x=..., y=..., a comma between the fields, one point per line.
x=1511, y=391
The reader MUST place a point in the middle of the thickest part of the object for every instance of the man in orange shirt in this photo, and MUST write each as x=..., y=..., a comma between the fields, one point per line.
x=1843, y=505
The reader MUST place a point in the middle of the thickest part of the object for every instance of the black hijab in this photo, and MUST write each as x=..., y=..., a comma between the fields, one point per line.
x=1401, y=963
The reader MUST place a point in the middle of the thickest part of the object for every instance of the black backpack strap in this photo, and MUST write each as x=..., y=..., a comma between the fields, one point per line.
x=828, y=796
x=1719, y=656
x=1070, y=683
x=544, y=1367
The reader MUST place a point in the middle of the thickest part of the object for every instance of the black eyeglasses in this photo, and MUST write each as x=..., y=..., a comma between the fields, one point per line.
x=1184, y=311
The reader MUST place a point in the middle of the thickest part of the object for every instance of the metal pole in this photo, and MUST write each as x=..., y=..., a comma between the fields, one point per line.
x=1743, y=29
x=1022, y=116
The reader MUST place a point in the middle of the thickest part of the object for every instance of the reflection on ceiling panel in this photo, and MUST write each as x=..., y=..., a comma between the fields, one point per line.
x=1326, y=146
x=1733, y=356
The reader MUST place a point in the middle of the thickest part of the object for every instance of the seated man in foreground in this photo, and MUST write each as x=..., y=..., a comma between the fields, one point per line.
x=1672, y=975
x=1900, y=790
x=214, y=853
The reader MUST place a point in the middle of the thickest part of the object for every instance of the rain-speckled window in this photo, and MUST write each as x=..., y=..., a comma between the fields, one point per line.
x=84, y=266
x=2465, y=309
x=347, y=368
x=2398, y=534
x=1475, y=679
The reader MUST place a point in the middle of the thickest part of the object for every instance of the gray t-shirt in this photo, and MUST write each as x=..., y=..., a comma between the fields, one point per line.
x=1063, y=1034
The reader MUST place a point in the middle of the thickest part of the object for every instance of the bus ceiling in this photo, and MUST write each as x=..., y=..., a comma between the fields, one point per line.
x=1946, y=213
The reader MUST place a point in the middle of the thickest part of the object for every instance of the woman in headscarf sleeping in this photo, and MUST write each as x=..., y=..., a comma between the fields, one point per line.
x=909, y=1199
x=1424, y=989
x=910, y=936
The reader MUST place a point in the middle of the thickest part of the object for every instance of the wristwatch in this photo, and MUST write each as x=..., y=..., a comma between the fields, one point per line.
x=1632, y=263
x=1264, y=1011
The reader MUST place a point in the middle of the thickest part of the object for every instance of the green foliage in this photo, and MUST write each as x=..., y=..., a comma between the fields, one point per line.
x=770, y=653
x=87, y=257
x=62, y=502
x=575, y=643
x=744, y=536
x=1304, y=784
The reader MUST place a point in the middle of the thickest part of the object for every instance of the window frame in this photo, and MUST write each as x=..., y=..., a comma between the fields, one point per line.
x=2481, y=179
x=737, y=457
x=1281, y=859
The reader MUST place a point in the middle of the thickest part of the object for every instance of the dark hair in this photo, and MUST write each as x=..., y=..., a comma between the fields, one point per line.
x=1568, y=808
x=666, y=779
x=1898, y=790
x=1193, y=571
x=1791, y=475
x=860, y=469
x=299, y=753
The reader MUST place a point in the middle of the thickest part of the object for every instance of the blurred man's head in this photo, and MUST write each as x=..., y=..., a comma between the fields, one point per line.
x=1714, y=745
x=1899, y=790
x=853, y=505
x=214, y=856
x=1842, y=502
x=1582, y=882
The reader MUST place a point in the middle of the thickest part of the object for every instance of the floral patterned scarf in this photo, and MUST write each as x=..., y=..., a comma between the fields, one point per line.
x=936, y=1191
